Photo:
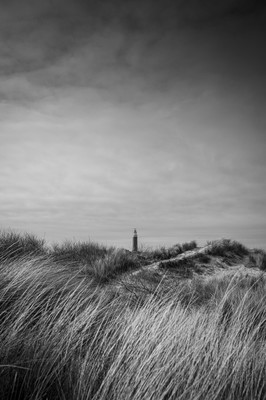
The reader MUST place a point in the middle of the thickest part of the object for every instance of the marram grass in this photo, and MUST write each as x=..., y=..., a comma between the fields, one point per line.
x=66, y=335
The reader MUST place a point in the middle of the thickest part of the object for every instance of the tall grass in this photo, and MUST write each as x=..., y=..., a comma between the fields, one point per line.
x=95, y=261
x=62, y=339
x=113, y=264
x=164, y=253
x=14, y=245
x=257, y=258
x=65, y=337
x=78, y=252
x=227, y=248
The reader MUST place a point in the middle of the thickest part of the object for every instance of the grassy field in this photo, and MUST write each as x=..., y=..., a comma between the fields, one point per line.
x=82, y=321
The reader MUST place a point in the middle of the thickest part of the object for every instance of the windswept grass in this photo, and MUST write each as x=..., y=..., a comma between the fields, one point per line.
x=113, y=264
x=257, y=258
x=65, y=337
x=227, y=248
x=95, y=261
x=79, y=252
x=14, y=245
x=163, y=253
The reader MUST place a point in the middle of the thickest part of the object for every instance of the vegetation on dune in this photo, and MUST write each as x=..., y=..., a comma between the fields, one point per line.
x=113, y=264
x=14, y=245
x=163, y=253
x=227, y=248
x=64, y=335
x=95, y=261
x=188, y=264
x=78, y=252
x=257, y=258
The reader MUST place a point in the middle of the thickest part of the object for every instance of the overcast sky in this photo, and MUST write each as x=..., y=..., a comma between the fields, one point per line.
x=123, y=114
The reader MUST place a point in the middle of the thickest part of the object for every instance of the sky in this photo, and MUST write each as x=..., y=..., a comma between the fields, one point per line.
x=125, y=114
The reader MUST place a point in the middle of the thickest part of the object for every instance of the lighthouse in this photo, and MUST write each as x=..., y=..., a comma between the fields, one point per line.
x=135, y=241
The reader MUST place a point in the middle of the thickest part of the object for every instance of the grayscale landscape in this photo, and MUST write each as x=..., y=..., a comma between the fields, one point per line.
x=132, y=200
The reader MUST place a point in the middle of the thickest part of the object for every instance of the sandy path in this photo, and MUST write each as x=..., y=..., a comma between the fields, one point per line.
x=216, y=266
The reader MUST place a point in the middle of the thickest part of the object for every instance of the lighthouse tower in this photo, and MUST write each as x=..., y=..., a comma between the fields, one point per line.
x=135, y=241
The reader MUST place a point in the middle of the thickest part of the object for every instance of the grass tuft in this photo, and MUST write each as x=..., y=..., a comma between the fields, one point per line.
x=163, y=253
x=78, y=252
x=257, y=258
x=14, y=245
x=112, y=264
x=229, y=249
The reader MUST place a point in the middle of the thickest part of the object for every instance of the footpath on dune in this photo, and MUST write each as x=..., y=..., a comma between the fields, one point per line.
x=190, y=264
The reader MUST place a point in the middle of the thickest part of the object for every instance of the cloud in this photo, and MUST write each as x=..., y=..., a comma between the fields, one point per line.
x=37, y=34
x=126, y=51
x=117, y=113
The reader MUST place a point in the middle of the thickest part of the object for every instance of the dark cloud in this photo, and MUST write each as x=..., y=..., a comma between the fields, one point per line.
x=140, y=13
x=134, y=51
x=32, y=41
x=35, y=33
